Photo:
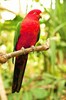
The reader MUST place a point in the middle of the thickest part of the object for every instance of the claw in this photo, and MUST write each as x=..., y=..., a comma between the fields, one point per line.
x=32, y=47
x=23, y=49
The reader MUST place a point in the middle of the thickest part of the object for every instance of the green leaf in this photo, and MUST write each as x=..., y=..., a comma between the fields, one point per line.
x=61, y=86
x=53, y=55
x=27, y=96
x=39, y=93
x=59, y=27
x=15, y=96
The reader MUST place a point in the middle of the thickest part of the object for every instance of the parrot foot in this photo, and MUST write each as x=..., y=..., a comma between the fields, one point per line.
x=33, y=48
x=23, y=49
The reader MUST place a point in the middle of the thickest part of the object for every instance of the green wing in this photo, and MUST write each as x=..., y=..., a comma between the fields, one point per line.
x=38, y=36
x=17, y=34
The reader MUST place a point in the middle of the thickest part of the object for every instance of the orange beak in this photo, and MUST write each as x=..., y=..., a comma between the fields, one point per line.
x=41, y=15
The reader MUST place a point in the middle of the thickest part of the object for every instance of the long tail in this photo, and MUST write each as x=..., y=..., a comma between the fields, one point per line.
x=20, y=65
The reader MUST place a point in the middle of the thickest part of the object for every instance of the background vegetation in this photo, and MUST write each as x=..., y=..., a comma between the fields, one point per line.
x=45, y=75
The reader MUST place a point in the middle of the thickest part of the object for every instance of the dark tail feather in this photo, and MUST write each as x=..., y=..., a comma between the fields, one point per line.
x=20, y=65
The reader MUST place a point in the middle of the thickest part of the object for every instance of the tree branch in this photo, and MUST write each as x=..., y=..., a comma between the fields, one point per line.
x=5, y=57
x=2, y=8
x=2, y=90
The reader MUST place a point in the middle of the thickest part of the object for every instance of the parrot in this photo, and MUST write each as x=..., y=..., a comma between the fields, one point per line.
x=26, y=35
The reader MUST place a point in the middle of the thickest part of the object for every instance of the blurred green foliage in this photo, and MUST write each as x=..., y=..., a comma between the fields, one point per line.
x=45, y=74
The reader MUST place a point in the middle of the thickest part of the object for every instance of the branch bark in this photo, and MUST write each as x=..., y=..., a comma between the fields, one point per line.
x=2, y=90
x=2, y=8
x=5, y=57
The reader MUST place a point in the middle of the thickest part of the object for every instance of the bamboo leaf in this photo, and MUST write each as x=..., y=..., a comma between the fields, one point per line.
x=39, y=93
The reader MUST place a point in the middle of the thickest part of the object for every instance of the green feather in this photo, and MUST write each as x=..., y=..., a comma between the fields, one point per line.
x=17, y=34
x=38, y=36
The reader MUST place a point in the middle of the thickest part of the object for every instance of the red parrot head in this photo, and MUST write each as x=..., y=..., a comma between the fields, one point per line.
x=34, y=14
